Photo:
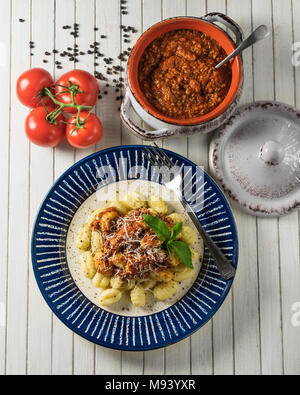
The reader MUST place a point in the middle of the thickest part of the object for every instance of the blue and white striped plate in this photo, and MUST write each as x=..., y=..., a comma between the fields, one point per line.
x=65, y=299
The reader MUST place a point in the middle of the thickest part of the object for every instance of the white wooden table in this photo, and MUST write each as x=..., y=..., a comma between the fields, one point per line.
x=256, y=331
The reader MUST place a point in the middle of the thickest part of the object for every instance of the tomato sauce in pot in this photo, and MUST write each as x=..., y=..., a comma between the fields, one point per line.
x=177, y=75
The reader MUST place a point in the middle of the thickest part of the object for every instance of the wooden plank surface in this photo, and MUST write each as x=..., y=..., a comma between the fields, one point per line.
x=245, y=289
x=154, y=361
x=41, y=168
x=132, y=362
x=222, y=323
x=288, y=225
x=253, y=331
x=19, y=186
x=5, y=81
x=62, y=338
x=267, y=229
x=177, y=355
x=84, y=352
x=108, y=22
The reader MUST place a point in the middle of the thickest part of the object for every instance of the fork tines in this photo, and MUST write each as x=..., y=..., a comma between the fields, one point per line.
x=157, y=157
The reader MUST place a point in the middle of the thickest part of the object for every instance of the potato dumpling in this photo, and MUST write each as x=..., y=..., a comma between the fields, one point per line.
x=138, y=296
x=134, y=200
x=174, y=260
x=106, y=219
x=188, y=235
x=94, y=215
x=163, y=275
x=175, y=218
x=129, y=284
x=195, y=255
x=158, y=205
x=83, y=241
x=119, y=260
x=110, y=296
x=117, y=283
x=122, y=209
x=100, y=281
x=183, y=272
x=97, y=258
x=165, y=291
x=87, y=264
x=97, y=280
x=105, y=282
x=96, y=241
x=106, y=260
x=149, y=284
x=152, y=212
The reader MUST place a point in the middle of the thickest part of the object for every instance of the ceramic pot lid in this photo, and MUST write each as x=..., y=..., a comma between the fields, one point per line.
x=255, y=157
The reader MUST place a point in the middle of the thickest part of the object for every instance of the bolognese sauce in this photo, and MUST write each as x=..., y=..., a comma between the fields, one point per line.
x=131, y=249
x=177, y=74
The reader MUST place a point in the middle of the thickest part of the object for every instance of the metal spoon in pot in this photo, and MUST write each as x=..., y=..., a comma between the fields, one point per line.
x=258, y=34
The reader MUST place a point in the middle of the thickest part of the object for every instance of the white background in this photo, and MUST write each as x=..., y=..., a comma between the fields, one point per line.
x=252, y=333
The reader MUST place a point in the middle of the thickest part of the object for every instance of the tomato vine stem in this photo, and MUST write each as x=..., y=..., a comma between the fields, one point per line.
x=73, y=90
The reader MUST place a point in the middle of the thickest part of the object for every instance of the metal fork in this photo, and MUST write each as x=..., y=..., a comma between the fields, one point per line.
x=158, y=158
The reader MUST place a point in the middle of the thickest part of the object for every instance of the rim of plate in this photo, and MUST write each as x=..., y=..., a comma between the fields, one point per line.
x=123, y=347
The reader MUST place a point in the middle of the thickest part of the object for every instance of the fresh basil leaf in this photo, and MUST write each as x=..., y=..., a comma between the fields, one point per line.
x=183, y=252
x=169, y=249
x=159, y=227
x=176, y=230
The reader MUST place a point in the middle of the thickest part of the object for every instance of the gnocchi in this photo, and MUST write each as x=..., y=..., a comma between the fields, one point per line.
x=158, y=205
x=134, y=200
x=188, y=235
x=138, y=296
x=104, y=260
x=110, y=296
x=87, y=264
x=175, y=218
x=183, y=273
x=96, y=242
x=84, y=237
x=122, y=209
x=165, y=290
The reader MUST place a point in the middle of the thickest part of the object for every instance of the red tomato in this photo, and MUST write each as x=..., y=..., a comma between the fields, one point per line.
x=30, y=84
x=89, y=134
x=84, y=81
x=40, y=131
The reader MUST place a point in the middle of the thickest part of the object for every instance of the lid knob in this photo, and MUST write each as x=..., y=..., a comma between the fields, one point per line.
x=272, y=152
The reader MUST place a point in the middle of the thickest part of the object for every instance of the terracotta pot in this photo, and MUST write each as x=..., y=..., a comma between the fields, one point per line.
x=163, y=125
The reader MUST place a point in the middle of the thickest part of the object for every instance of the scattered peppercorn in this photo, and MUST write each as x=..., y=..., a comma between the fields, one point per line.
x=111, y=68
